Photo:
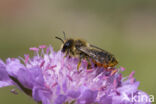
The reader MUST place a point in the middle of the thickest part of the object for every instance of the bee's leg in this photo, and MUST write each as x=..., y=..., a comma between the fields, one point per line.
x=65, y=55
x=71, y=54
x=89, y=63
x=68, y=54
x=79, y=64
x=95, y=65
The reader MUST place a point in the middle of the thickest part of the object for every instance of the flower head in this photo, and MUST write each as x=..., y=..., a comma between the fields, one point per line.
x=51, y=78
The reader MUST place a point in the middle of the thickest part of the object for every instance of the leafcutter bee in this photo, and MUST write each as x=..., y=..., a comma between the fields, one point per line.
x=83, y=50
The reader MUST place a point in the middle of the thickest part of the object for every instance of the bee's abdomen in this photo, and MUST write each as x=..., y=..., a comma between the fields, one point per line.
x=105, y=65
x=104, y=59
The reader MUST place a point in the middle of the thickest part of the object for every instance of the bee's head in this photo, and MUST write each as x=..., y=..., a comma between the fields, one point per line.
x=67, y=45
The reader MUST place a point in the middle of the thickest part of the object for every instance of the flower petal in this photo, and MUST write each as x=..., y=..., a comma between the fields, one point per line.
x=60, y=99
x=13, y=66
x=106, y=100
x=88, y=96
x=3, y=72
x=128, y=88
x=4, y=78
x=42, y=95
x=73, y=94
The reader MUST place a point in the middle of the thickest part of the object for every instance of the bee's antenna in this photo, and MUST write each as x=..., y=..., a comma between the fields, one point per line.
x=59, y=39
x=64, y=35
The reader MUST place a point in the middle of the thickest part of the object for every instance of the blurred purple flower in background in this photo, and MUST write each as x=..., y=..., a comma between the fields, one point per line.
x=50, y=78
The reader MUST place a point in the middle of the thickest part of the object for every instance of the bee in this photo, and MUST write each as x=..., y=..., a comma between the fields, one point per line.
x=85, y=51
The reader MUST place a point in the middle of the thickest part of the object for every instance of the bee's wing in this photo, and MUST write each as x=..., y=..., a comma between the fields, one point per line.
x=87, y=51
x=105, y=56
x=93, y=46
x=95, y=54
x=99, y=55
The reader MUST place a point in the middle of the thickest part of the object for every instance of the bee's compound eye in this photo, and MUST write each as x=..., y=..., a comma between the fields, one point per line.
x=67, y=44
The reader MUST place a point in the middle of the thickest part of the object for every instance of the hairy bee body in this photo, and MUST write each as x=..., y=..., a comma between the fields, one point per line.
x=103, y=58
x=83, y=50
x=71, y=47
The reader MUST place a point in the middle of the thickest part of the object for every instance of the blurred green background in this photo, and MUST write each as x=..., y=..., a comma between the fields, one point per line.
x=127, y=28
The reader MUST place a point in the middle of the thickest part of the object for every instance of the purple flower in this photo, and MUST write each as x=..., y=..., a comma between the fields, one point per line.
x=50, y=78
